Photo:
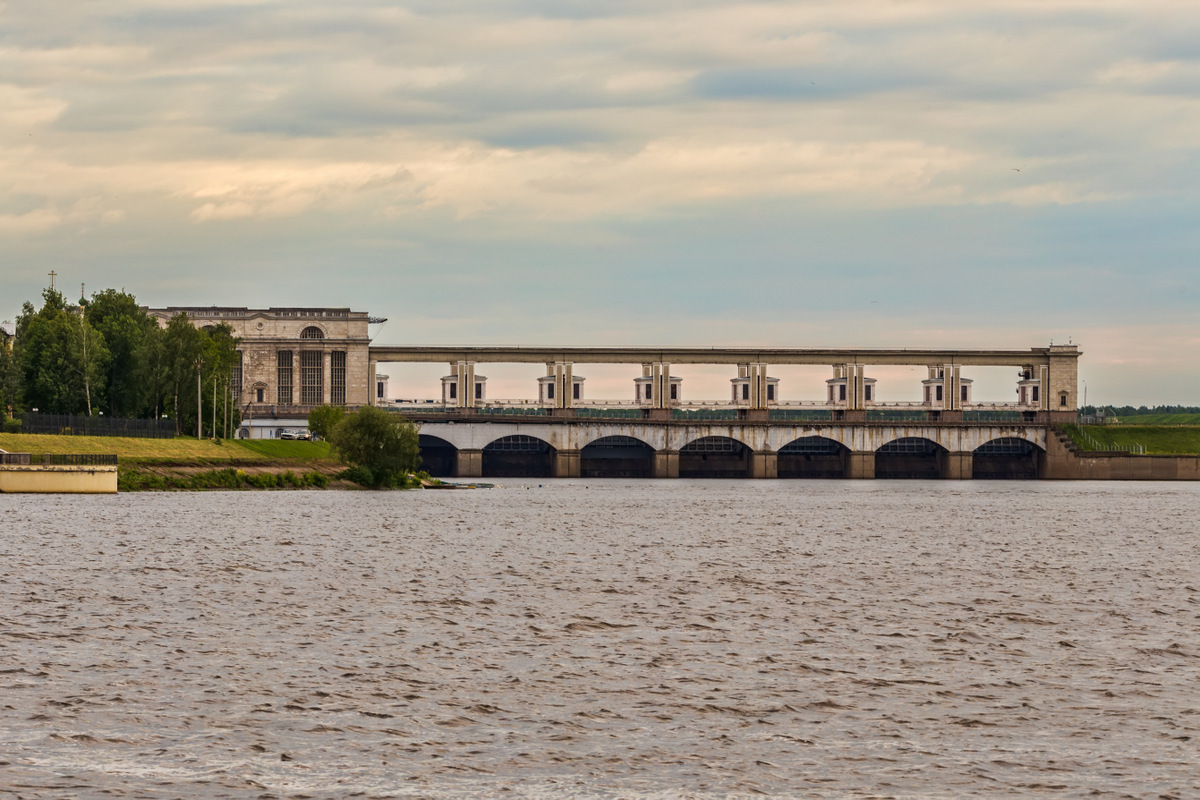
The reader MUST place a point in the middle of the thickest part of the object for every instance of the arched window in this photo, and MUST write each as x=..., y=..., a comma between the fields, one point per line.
x=312, y=332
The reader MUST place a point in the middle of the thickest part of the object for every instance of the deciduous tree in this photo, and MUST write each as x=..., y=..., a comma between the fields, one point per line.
x=323, y=419
x=383, y=443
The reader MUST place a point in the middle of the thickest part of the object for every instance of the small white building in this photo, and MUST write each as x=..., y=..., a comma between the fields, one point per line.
x=381, y=388
x=741, y=390
x=934, y=391
x=643, y=391
x=1029, y=390
x=837, y=388
x=451, y=394
x=546, y=390
x=269, y=427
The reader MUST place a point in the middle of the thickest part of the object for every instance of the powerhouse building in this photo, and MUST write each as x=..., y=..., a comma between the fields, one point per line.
x=292, y=359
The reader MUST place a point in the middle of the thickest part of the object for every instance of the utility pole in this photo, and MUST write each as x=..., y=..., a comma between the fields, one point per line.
x=199, y=407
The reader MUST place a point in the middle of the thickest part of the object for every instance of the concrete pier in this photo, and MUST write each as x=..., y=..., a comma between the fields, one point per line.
x=40, y=479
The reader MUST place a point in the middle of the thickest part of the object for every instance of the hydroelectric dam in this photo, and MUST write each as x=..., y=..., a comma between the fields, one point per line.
x=755, y=433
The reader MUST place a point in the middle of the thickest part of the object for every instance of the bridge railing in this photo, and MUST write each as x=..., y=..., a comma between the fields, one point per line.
x=59, y=459
x=1095, y=444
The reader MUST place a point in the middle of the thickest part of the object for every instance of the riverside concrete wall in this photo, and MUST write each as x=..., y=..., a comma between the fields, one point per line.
x=1060, y=462
x=54, y=479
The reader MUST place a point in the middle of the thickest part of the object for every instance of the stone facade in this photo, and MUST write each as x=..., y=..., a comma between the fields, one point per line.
x=293, y=358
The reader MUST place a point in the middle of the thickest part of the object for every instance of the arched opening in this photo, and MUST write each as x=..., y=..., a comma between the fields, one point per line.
x=518, y=456
x=617, y=457
x=909, y=457
x=1007, y=458
x=813, y=457
x=312, y=332
x=714, y=457
x=438, y=457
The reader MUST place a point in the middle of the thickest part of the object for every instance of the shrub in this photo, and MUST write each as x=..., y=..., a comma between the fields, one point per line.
x=317, y=479
x=384, y=445
x=357, y=474
x=216, y=479
x=134, y=480
x=264, y=481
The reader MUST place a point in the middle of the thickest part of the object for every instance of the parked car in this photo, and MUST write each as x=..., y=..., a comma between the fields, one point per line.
x=295, y=433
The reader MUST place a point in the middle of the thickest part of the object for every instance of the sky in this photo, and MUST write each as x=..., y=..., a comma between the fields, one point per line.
x=852, y=173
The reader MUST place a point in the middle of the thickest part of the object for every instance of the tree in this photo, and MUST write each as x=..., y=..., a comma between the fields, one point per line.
x=126, y=327
x=9, y=378
x=182, y=350
x=61, y=357
x=219, y=358
x=323, y=419
x=381, y=443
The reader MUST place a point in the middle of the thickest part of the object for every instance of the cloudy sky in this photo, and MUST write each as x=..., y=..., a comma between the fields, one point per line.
x=842, y=173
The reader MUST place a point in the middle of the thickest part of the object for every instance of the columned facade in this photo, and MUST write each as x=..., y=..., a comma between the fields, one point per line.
x=291, y=360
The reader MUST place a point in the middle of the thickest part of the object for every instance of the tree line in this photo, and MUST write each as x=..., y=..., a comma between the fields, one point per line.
x=108, y=356
x=1133, y=411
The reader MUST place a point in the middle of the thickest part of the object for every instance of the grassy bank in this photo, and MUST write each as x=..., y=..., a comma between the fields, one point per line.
x=172, y=451
x=1161, y=419
x=166, y=464
x=1157, y=439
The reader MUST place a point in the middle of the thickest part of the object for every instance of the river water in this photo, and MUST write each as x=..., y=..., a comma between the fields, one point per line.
x=605, y=639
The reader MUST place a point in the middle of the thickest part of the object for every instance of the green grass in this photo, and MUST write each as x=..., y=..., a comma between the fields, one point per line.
x=1161, y=419
x=287, y=449
x=1157, y=439
x=181, y=449
x=171, y=451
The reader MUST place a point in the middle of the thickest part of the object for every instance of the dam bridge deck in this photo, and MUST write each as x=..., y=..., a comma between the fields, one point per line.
x=501, y=445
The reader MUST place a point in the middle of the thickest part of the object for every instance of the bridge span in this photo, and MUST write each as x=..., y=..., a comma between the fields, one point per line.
x=479, y=446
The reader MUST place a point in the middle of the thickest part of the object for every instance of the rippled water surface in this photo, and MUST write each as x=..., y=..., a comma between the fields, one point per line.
x=606, y=638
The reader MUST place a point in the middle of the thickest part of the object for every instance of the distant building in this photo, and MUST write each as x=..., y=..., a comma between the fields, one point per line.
x=291, y=360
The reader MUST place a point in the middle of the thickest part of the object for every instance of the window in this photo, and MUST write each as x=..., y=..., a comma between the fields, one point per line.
x=647, y=391
x=337, y=378
x=842, y=392
x=745, y=391
x=312, y=332
x=379, y=390
x=258, y=394
x=235, y=379
x=549, y=391
x=478, y=391
x=939, y=392
x=1035, y=394
x=964, y=393
x=867, y=391
x=311, y=371
x=674, y=392
x=575, y=390
x=770, y=393
x=1062, y=399
x=927, y=400
x=283, y=377
x=454, y=391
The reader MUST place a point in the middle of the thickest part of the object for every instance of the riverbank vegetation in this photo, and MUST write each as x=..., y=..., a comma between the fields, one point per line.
x=182, y=450
x=382, y=449
x=108, y=356
x=132, y=479
x=1156, y=439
